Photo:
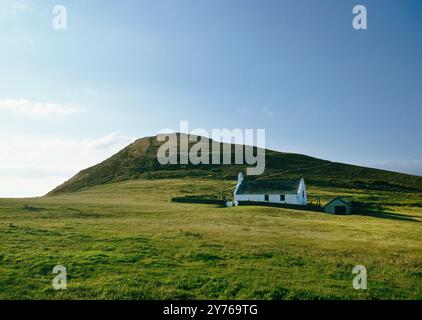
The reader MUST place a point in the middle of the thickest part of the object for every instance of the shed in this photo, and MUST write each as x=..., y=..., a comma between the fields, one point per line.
x=338, y=206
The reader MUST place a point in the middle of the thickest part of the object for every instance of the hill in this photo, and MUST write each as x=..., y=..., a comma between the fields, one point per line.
x=139, y=161
x=119, y=234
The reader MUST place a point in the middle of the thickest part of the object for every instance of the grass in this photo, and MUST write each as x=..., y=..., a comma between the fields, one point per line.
x=127, y=240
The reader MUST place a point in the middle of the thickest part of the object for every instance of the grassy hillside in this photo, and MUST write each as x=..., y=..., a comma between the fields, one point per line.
x=116, y=230
x=127, y=240
x=138, y=161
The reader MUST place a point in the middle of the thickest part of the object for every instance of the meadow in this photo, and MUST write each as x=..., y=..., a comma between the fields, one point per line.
x=128, y=240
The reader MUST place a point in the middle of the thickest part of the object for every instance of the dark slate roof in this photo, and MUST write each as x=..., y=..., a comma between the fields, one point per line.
x=341, y=200
x=267, y=187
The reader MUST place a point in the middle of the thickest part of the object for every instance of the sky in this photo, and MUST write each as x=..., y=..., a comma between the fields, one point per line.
x=127, y=69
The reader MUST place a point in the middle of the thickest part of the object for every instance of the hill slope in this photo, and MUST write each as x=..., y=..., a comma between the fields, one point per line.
x=139, y=161
x=127, y=240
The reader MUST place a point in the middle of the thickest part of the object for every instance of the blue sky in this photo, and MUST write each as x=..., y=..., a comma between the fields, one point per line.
x=126, y=69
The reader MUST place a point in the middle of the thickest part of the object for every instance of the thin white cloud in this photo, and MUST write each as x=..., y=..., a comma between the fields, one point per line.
x=12, y=7
x=33, y=166
x=112, y=141
x=267, y=111
x=405, y=165
x=242, y=109
x=39, y=109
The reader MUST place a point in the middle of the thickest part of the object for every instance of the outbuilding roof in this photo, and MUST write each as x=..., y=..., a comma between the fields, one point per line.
x=268, y=187
x=341, y=200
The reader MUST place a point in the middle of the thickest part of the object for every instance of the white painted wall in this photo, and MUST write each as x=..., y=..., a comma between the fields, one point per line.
x=302, y=193
x=249, y=197
x=275, y=198
x=290, y=198
x=293, y=199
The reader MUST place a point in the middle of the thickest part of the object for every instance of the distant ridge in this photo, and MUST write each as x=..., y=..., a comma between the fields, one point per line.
x=139, y=161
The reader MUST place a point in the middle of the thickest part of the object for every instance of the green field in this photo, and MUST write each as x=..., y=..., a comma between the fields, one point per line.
x=127, y=240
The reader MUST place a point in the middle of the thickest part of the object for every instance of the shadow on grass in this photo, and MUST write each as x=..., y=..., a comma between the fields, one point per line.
x=377, y=211
x=200, y=200
x=358, y=208
x=33, y=209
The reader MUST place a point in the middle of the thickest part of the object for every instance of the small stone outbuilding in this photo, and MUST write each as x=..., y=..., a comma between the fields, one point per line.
x=338, y=206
